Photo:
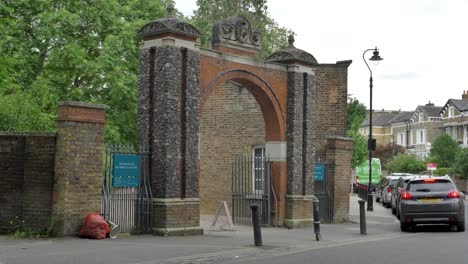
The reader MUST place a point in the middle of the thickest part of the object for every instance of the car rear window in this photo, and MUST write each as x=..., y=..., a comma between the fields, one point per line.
x=435, y=186
x=393, y=182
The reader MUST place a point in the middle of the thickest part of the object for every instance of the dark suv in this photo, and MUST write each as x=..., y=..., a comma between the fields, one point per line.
x=433, y=200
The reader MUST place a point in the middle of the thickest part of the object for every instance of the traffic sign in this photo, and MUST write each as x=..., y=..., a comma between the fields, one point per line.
x=432, y=166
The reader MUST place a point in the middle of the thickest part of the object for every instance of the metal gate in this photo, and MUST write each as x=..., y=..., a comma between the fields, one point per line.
x=322, y=188
x=251, y=184
x=126, y=189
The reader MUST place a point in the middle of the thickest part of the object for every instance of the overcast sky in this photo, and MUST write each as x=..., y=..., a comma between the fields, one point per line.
x=424, y=44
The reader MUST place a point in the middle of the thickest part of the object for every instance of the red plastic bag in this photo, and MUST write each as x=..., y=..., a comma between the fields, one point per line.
x=94, y=227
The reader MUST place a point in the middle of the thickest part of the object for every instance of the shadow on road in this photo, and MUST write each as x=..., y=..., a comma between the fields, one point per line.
x=433, y=229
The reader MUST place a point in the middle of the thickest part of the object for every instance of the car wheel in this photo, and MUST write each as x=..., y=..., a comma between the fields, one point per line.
x=461, y=227
x=384, y=203
x=388, y=205
x=397, y=213
x=393, y=210
x=377, y=199
x=404, y=227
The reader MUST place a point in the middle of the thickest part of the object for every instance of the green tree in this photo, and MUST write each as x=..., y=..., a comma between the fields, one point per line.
x=356, y=114
x=73, y=50
x=460, y=166
x=406, y=163
x=87, y=50
x=209, y=12
x=443, y=151
x=19, y=112
x=387, y=152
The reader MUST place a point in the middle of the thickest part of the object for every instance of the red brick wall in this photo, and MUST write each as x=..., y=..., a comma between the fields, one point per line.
x=231, y=122
x=268, y=85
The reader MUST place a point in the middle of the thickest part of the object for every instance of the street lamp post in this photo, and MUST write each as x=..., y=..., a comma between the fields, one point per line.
x=370, y=143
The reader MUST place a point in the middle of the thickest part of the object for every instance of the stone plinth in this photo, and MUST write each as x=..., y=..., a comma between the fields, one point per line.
x=298, y=211
x=176, y=217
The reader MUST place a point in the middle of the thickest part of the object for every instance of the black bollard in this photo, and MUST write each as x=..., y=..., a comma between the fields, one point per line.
x=256, y=225
x=316, y=210
x=362, y=217
x=370, y=201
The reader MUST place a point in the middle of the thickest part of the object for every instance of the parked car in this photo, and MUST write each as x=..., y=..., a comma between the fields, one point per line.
x=379, y=187
x=387, y=190
x=396, y=192
x=433, y=200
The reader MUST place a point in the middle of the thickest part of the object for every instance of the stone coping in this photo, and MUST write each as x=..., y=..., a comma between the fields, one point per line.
x=340, y=138
x=28, y=134
x=178, y=231
x=83, y=105
x=176, y=201
x=300, y=197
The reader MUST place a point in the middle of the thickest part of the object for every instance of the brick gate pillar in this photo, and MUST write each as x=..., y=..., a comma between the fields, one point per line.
x=339, y=154
x=168, y=121
x=78, y=165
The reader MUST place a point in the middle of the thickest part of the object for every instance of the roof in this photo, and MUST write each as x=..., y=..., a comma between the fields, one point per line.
x=461, y=105
x=404, y=116
x=431, y=111
x=292, y=54
x=169, y=24
x=386, y=118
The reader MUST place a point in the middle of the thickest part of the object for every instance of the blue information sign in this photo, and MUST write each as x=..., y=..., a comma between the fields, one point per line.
x=319, y=172
x=126, y=170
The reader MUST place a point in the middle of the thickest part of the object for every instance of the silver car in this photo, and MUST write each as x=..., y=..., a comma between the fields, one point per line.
x=387, y=190
x=433, y=200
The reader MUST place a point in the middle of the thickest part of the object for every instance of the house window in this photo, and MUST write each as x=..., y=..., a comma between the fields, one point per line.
x=454, y=133
x=411, y=135
x=258, y=155
x=451, y=112
x=401, y=139
x=421, y=117
x=420, y=137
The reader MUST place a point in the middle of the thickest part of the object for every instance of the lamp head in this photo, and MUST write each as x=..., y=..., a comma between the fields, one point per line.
x=376, y=57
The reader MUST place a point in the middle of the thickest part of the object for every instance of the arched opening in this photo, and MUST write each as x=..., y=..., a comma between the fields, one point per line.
x=238, y=117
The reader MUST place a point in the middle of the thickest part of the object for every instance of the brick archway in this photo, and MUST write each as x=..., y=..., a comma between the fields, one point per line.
x=300, y=100
x=263, y=93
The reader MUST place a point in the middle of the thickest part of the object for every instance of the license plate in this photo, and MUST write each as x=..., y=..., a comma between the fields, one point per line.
x=429, y=200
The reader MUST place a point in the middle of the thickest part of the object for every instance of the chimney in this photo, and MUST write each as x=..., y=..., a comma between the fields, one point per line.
x=430, y=104
x=465, y=95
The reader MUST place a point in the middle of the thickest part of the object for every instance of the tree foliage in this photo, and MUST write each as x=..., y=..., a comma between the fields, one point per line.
x=443, y=151
x=406, y=163
x=387, y=153
x=71, y=50
x=356, y=114
x=87, y=51
x=460, y=166
x=274, y=37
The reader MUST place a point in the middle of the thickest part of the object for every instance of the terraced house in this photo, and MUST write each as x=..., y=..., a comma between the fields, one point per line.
x=454, y=119
x=382, y=126
x=417, y=130
x=423, y=128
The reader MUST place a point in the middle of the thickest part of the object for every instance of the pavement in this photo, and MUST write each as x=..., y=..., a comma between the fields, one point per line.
x=216, y=246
